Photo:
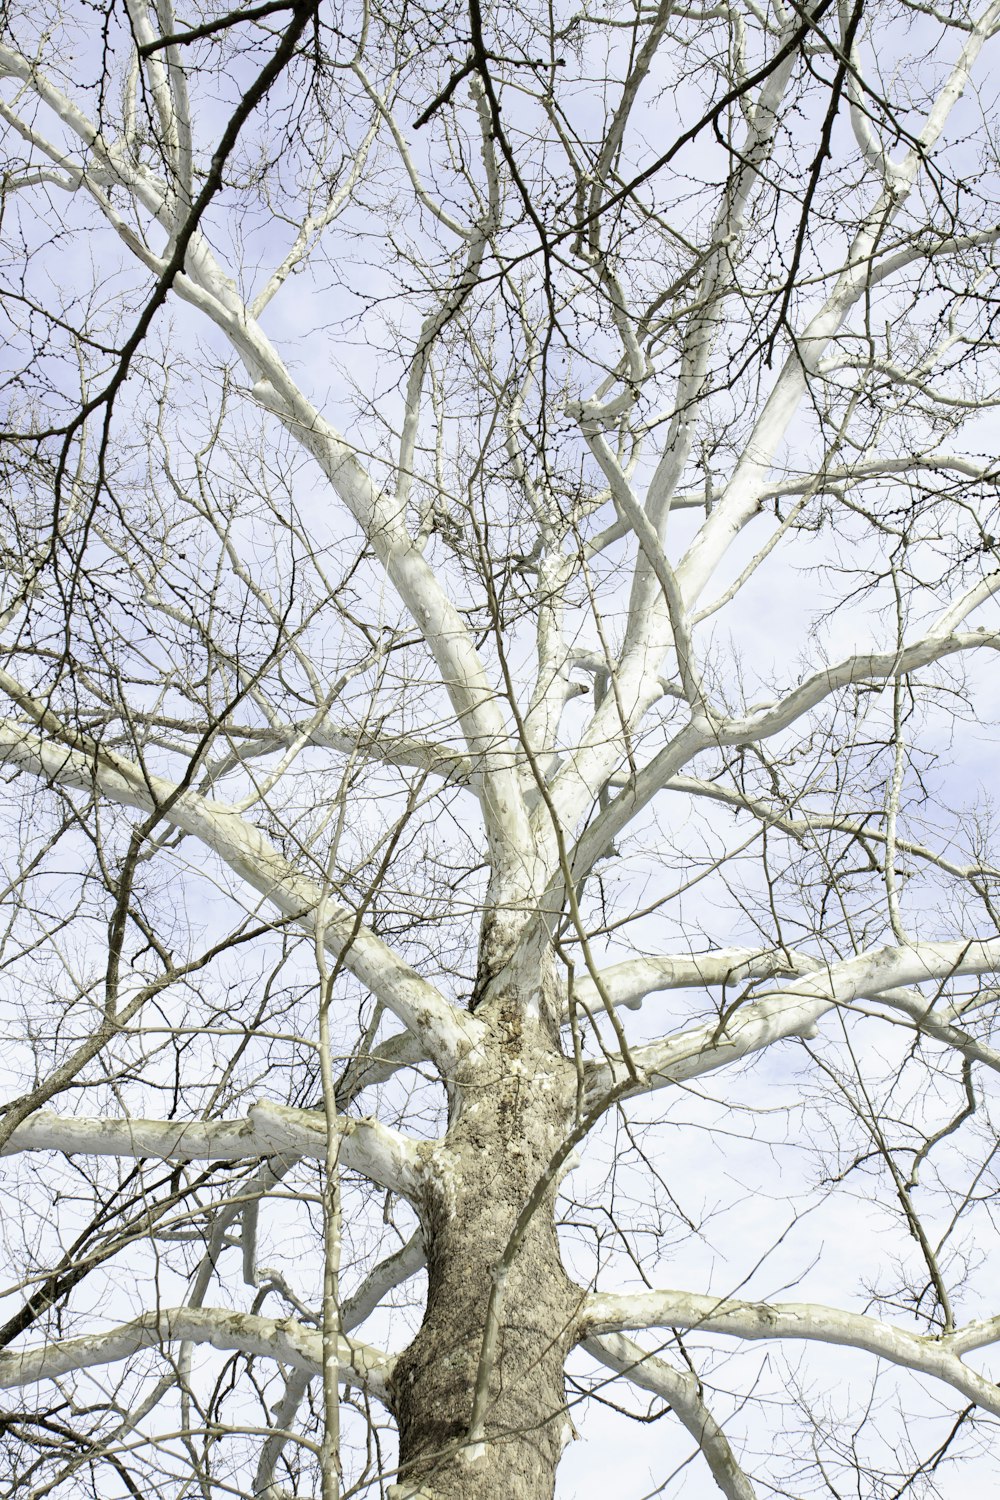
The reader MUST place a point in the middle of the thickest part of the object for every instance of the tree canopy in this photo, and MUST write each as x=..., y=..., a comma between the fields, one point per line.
x=500, y=936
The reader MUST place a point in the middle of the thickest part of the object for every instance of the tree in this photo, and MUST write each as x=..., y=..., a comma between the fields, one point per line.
x=498, y=622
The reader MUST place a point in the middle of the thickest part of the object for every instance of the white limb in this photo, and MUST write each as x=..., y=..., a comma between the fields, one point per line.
x=389, y=749
x=656, y=558
x=586, y=771
x=862, y=667
x=703, y=731
x=282, y=1416
x=916, y=380
x=273, y=1130
x=919, y=1009
x=284, y=1340
x=445, y=1031
x=472, y=694
x=805, y=825
x=634, y=794
x=749, y=480
x=869, y=145
x=726, y=239
x=205, y=285
x=552, y=687
x=649, y=633
x=401, y=1050
x=388, y=1274
x=106, y=166
x=959, y=609
x=794, y=1011
x=928, y=1354
x=935, y=249
x=682, y=1393
x=837, y=477
x=166, y=81
x=381, y=103
x=627, y=984
x=384, y=1277
x=382, y=520
x=312, y=227
x=976, y=1335
x=449, y=303
x=696, y=735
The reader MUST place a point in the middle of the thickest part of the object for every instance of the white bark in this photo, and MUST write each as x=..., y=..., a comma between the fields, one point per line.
x=705, y=729
x=935, y=1355
x=445, y=1031
x=384, y=1155
x=749, y=480
x=517, y=558
x=681, y=1391
x=387, y=1275
x=362, y=1366
x=794, y=1011
x=382, y=521
x=629, y=983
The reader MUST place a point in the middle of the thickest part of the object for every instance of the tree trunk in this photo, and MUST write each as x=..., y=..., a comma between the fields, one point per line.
x=508, y=1120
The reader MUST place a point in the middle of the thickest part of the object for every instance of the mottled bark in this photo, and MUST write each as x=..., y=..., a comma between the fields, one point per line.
x=510, y=1115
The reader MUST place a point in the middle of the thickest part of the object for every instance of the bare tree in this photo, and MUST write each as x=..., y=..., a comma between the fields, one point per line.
x=499, y=540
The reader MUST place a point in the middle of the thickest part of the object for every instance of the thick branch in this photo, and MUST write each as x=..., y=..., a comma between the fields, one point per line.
x=795, y=1011
x=627, y=984
x=445, y=1031
x=281, y=1339
x=472, y=695
x=384, y=1277
x=203, y=283
x=750, y=477
x=682, y=1394
x=864, y=667
x=383, y=1155
x=700, y=732
x=929, y=1355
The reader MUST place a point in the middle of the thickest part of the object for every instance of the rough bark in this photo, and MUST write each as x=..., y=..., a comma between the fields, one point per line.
x=510, y=1113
